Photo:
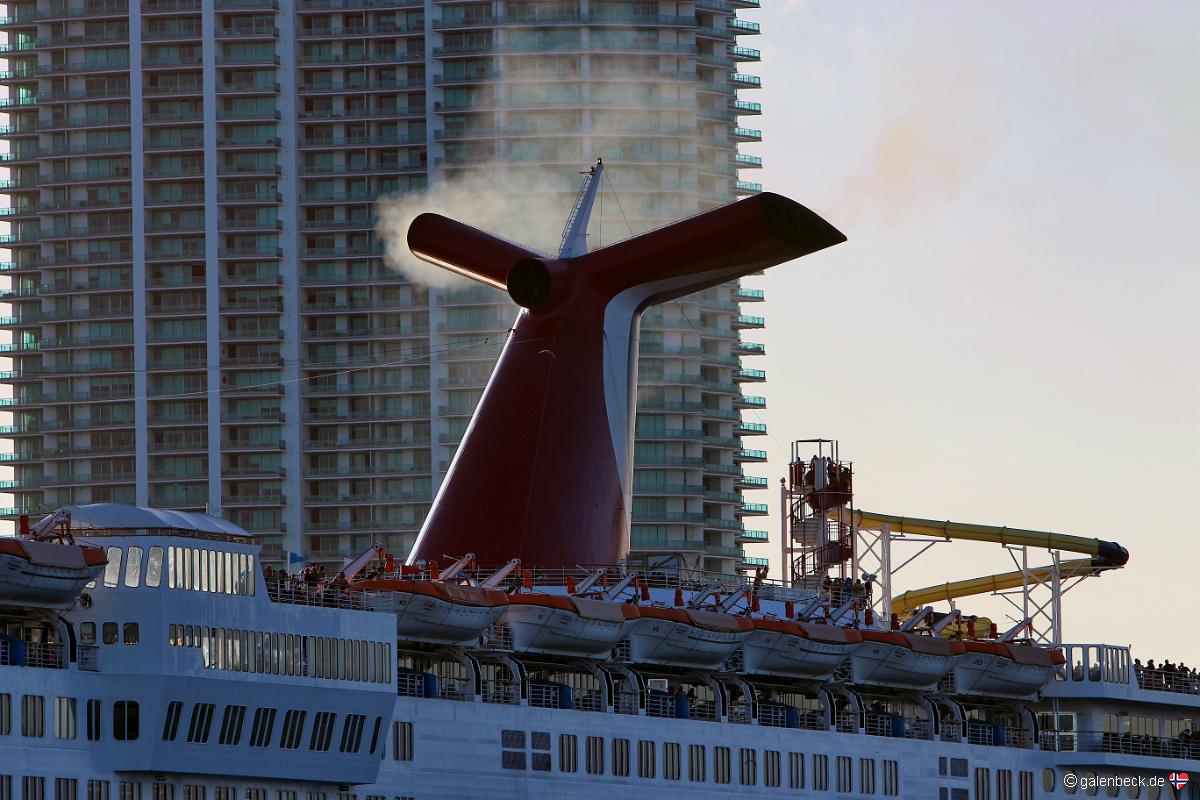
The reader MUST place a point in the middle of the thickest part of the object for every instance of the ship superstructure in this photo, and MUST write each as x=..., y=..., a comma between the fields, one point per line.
x=171, y=663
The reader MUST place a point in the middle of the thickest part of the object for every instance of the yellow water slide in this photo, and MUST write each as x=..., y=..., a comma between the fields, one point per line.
x=1102, y=554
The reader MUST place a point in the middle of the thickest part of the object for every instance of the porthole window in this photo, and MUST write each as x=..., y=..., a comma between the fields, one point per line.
x=1090, y=778
x=1134, y=792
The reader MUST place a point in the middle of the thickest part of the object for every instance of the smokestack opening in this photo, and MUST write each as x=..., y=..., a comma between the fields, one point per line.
x=530, y=283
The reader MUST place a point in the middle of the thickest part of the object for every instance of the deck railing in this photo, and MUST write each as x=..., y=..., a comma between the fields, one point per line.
x=1181, y=747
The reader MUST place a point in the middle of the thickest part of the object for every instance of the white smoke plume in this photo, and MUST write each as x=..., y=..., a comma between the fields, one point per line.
x=522, y=207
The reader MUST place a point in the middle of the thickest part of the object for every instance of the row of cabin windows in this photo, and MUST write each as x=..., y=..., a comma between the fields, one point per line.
x=33, y=787
x=262, y=728
x=134, y=572
x=201, y=570
x=111, y=633
x=959, y=768
x=33, y=718
x=747, y=765
x=286, y=654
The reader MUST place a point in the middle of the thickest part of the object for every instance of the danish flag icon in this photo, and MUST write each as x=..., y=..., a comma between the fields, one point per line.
x=1178, y=780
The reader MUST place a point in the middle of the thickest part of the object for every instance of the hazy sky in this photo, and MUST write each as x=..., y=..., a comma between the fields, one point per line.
x=1008, y=336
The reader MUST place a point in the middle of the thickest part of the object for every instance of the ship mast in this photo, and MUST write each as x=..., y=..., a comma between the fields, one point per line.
x=574, y=238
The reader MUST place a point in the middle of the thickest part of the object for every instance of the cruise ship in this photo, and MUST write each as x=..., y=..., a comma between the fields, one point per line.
x=519, y=653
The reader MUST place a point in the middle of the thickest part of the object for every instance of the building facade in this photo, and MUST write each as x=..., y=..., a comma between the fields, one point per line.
x=200, y=314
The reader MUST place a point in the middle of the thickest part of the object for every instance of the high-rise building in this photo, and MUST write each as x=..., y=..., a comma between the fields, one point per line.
x=200, y=313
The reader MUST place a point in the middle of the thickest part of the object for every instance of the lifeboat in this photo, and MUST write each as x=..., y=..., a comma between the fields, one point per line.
x=566, y=625
x=432, y=611
x=796, y=650
x=902, y=660
x=1005, y=670
x=686, y=637
x=46, y=574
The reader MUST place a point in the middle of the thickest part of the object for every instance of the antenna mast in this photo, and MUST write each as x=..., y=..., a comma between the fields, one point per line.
x=574, y=239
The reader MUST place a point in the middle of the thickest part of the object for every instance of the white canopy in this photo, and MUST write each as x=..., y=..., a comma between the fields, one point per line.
x=118, y=517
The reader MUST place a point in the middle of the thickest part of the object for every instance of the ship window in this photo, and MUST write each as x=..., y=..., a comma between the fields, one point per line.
x=5, y=714
x=721, y=764
x=93, y=721
x=223, y=567
x=620, y=757
x=696, y=766
x=258, y=794
x=891, y=778
x=125, y=721
x=322, y=731
x=290, y=794
x=539, y=762
x=133, y=567
x=231, y=724
x=748, y=766
x=670, y=761
x=771, y=772
x=112, y=572
x=162, y=791
x=795, y=770
x=264, y=724
x=131, y=633
x=402, y=741
x=130, y=790
x=33, y=788
x=983, y=783
x=293, y=730
x=200, y=724
x=512, y=759
x=568, y=753
x=154, y=567
x=171, y=722
x=64, y=717
x=645, y=759
x=6, y=790
x=958, y=768
x=97, y=790
x=110, y=632
x=87, y=632
x=866, y=776
x=352, y=731
x=1049, y=780
x=820, y=776
x=1025, y=785
x=33, y=715
x=66, y=789
x=594, y=748
x=1004, y=784
x=375, y=734
x=844, y=774
x=193, y=791
x=197, y=555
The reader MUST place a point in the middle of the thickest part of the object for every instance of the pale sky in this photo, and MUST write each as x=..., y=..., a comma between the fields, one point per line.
x=1008, y=336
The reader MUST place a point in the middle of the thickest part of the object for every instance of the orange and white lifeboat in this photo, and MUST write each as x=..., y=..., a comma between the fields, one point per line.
x=432, y=611
x=566, y=625
x=797, y=650
x=46, y=574
x=903, y=660
x=1005, y=670
x=686, y=637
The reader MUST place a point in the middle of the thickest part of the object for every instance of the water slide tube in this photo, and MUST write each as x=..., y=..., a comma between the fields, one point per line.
x=1102, y=554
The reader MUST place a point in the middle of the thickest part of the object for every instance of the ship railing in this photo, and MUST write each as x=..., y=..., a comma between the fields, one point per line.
x=705, y=710
x=628, y=703
x=740, y=713
x=31, y=654
x=325, y=598
x=504, y=692
x=544, y=695
x=590, y=701
x=846, y=722
x=772, y=715
x=980, y=734
x=410, y=684
x=1184, y=746
x=454, y=689
x=1158, y=680
x=951, y=731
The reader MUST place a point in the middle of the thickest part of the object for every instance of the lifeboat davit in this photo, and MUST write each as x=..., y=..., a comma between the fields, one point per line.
x=46, y=574
x=566, y=625
x=432, y=611
x=797, y=650
x=1005, y=670
x=902, y=660
x=686, y=637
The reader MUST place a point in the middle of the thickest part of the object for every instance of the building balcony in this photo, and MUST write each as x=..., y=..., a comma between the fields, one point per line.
x=668, y=489
x=684, y=517
x=750, y=349
x=757, y=456
x=753, y=562
x=749, y=375
x=750, y=429
x=381, y=442
x=751, y=482
x=747, y=135
x=366, y=470
x=744, y=322
x=642, y=541
x=743, y=295
x=750, y=401
x=747, y=187
x=753, y=510
x=747, y=536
